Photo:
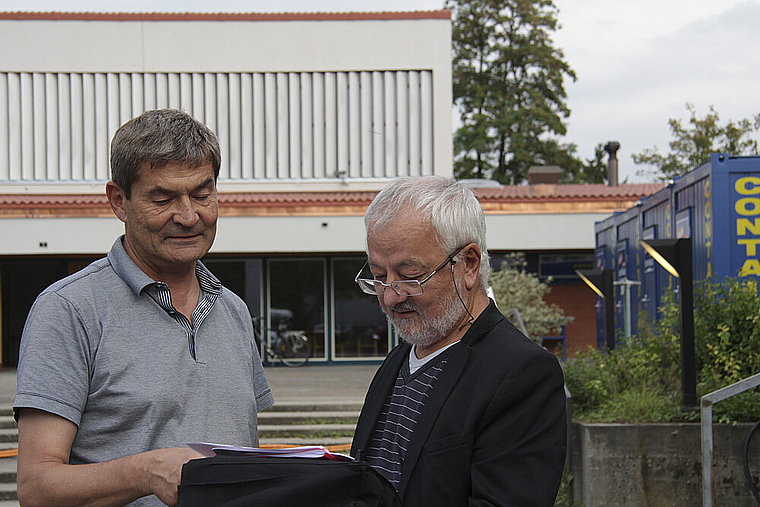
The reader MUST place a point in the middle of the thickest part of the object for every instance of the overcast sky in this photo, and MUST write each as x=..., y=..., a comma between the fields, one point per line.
x=637, y=61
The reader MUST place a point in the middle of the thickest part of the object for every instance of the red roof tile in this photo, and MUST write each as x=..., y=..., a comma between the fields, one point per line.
x=573, y=192
x=557, y=193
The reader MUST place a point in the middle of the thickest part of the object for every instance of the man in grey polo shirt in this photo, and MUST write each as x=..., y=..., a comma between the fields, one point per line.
x=124, y=362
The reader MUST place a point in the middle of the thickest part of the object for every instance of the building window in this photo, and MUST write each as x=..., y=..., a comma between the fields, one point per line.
x=361, y=330
x=298, y=286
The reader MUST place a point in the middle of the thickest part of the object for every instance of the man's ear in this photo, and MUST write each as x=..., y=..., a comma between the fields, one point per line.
x=471, y=265
x=116, y=199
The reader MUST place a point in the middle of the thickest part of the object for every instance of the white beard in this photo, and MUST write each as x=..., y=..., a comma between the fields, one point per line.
x=422, y=331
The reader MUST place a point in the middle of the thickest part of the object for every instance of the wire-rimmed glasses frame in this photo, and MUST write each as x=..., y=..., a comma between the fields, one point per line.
x=401, y=287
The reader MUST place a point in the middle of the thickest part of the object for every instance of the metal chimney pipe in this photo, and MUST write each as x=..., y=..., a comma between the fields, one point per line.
x=612, y=164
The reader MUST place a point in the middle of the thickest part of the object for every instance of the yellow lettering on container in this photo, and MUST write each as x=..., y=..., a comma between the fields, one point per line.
x=748, y=206
x=751, y=267
x=745, y=224
x=742, y=185
x=750, y=245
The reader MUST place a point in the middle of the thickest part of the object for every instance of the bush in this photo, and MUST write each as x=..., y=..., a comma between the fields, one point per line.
x=641, y=381
x=514, y=287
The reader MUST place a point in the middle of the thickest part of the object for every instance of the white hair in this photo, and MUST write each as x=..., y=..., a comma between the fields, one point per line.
x=449, y=206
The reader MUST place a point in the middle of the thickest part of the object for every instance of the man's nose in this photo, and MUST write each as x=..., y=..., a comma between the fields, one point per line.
x=185, y=213
x=392, y=298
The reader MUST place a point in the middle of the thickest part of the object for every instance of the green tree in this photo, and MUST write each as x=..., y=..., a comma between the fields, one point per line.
x=514, y=287
x=692, y=144
x=508, y=85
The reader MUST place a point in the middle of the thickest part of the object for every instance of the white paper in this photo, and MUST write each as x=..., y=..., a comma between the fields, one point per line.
x=309, y=451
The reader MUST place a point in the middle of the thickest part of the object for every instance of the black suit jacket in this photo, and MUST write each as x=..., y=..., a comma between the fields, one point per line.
x=493, y=431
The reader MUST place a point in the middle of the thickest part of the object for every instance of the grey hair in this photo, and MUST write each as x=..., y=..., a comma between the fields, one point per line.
x=449, y=206
x=160, y=136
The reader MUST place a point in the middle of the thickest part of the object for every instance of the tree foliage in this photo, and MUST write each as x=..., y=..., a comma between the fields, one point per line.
x=508, y=85
x=692, y=144
x=594, y=170
x=514, y=287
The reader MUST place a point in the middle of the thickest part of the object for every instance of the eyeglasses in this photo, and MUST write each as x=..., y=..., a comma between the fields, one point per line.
x=401, y=287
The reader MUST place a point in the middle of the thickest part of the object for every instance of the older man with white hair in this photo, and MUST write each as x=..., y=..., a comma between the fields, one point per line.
x=467, y=410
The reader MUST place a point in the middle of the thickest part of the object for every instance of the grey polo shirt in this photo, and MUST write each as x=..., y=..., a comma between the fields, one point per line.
x=98, y=350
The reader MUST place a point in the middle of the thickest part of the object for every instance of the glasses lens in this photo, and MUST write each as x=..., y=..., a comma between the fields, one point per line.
x=370, y=286
x=407, y=287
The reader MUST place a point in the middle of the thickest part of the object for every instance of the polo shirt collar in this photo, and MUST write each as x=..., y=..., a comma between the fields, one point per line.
x=137, y=280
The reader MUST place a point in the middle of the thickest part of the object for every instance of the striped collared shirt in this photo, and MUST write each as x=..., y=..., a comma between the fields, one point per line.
x=210, y=290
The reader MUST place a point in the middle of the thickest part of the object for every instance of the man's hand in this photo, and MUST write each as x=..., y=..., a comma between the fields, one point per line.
x=164, y=471
x=46, y=478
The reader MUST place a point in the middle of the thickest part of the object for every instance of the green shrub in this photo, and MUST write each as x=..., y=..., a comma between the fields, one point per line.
x=641, y=381
x=515, y=287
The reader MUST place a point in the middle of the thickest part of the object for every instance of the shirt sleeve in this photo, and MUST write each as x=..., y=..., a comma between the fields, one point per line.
x=53, y=370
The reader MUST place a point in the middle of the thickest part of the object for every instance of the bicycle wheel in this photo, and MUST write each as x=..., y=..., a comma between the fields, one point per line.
x=294, y=348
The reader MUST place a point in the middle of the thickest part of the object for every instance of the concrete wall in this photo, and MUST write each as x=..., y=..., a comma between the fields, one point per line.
x=653, y=465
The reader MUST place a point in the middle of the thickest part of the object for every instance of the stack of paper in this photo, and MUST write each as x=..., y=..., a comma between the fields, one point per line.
x=309, y=451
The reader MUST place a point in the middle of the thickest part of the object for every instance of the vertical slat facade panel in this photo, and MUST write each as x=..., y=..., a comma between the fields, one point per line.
x=273, y=126
x=64, y=126
x=427, y=125
x=259, y=126
x=378, y=124
x=270, y=124
x=77, y=127
x=27, y=127
x=223, y=121
x=283, y=127
x=150, y=97
x=307, y=126
x=52, y=151
x=402, y=124
x=100, y=131
x=390, y=130
x=114, y=116
x=209, y=103
x=89, y=126
x=186, y=93
x=367, y=137
x=414, y=123
x=318, y=98
x=234, y=111
x=173, y=92
x=138, y=95
x=331, y=125
x=5, y=147
x=354, y=126
x=125, y=101
x=14, y=125
x=246, y=126
x=199, y=102
x=162, y=90
x=343, y=139
x=40, y=130
x=294, y=125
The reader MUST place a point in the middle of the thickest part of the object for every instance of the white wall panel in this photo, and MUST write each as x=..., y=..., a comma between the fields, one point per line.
x=341, y=234
x=271, y=126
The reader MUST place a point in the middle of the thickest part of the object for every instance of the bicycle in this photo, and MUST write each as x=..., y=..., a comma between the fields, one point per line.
x=291, y=347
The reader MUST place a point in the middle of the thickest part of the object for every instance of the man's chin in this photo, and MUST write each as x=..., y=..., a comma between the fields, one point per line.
x=417, y=339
